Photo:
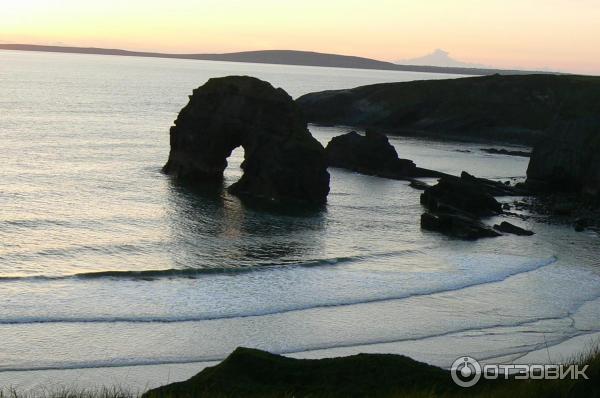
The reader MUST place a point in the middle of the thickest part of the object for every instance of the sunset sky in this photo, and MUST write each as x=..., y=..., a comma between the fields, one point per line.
x=551, y=34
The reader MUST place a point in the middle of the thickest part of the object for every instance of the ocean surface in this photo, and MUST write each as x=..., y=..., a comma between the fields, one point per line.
x=110, y=272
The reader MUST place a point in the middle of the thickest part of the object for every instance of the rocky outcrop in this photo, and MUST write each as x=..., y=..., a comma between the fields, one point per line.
x=282, y=161
x=420, y=185
x=495, y=151
x=516, y=109
x=568, y=160
x=457, y=225
x=372, y=154
x=512, y=229
x=494, y=188
x=455, y=206
x=460, y=195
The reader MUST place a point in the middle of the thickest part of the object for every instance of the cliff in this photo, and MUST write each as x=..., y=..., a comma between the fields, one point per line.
x=568, y=160
x=517, y=109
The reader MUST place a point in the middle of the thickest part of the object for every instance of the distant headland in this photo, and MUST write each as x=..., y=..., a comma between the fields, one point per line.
x=280, y=57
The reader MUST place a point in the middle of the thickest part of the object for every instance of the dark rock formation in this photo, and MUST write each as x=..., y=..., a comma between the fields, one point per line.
x=568, y=160
x=492, y=108
x=561, y=208
x=253, y=373
x=463, y=195
x=495, y=151
x=581, y=224
x=512, y=229
x=420, y=185
x=457, y=225
x=282, y=161
x=494, y=188
x=456, y=204
x=372, y=154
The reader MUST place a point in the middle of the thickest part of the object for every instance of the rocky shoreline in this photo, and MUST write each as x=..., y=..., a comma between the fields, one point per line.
x=284, y=163
x=557, y=115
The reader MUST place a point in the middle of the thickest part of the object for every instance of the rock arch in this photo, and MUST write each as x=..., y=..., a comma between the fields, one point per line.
x=282, y=160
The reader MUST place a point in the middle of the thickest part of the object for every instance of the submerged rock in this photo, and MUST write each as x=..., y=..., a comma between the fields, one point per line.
x=457, y=225
x=282, y=161
x=512, y=229
x=372, y=154
x=494, y=188
x=495, y=151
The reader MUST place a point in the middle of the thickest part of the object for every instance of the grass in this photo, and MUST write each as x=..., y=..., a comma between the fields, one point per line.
x=253, y=373
x=104, y=392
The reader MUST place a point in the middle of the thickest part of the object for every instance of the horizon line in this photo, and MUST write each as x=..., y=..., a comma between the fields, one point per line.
x=261, y=57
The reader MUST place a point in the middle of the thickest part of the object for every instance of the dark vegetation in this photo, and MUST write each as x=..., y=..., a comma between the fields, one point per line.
x=253, y=373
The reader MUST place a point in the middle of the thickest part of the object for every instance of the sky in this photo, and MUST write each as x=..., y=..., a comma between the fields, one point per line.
x=561, y=35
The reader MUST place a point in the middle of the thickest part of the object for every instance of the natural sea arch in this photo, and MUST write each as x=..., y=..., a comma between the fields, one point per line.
x=282, y=160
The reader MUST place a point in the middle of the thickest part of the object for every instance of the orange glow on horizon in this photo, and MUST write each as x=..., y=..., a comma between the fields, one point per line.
x=533, y=34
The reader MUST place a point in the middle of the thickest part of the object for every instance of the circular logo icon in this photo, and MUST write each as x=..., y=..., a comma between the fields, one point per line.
x=466, y=372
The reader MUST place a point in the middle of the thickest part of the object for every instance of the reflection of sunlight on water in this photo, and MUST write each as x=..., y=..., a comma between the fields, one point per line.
x=212, y=228
x=233, y=218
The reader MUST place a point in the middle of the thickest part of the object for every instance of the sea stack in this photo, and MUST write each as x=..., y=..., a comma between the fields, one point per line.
x=282, y=161
x=372, y=154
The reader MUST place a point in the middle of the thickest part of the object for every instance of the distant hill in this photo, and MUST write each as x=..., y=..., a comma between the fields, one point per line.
x=282, y=57
x=440, y=58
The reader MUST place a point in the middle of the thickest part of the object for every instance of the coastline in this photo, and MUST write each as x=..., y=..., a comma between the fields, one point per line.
x=276, y=57
x=385, y=299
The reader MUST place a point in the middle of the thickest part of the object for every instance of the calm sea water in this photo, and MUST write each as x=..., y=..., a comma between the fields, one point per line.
x=105, y=263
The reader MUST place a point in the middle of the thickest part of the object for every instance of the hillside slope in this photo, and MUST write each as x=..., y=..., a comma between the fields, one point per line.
x=253, y=373
x=517, y=109
x=281, y=57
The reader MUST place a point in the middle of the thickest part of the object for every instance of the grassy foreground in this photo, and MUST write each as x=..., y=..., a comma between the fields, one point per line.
x=254, y=373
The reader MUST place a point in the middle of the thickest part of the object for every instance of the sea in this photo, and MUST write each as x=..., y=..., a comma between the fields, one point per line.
x=113, y=274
